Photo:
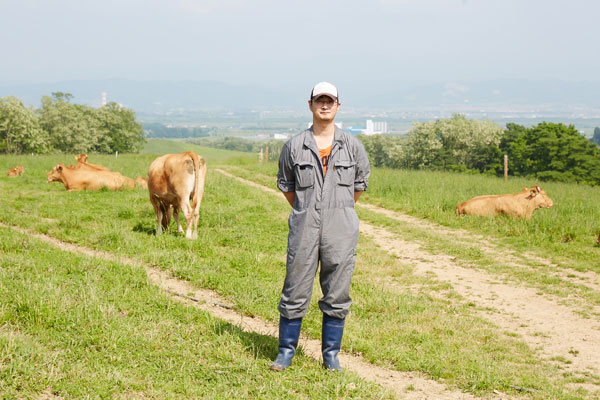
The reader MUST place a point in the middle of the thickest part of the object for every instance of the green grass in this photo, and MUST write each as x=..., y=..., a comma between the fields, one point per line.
x=77, y=327
x=240, y=253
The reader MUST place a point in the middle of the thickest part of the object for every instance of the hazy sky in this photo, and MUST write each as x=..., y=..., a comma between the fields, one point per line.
x=290, y=43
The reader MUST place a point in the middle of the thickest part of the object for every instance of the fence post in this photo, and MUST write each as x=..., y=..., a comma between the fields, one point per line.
x=505, y=167
x=260, y=155
x=116, y=153
x=267, y=154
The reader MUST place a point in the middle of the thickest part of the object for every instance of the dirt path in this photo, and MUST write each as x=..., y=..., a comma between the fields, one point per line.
x=491, y=248
x=405, y=385
x=544, y=324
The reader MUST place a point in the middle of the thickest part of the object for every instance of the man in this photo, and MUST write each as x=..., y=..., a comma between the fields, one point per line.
x=322, y=173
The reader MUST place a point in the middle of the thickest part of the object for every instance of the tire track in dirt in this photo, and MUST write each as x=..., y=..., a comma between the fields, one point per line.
x=487, y=245
x=405, y=385
x=543, y=323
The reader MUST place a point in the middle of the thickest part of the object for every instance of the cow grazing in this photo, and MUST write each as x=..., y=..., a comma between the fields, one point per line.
x=83, y=164
x=16, y=171
x=80, y=179
x=517, y=205
x=174, y=179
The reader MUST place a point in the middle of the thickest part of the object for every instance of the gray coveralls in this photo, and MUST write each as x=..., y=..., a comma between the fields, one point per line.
x=323, y=225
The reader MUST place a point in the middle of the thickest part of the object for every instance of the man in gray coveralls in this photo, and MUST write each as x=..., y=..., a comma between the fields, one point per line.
x=322, y=173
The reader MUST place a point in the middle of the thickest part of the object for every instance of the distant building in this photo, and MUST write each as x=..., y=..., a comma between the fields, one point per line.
x=372, y=128
x=103, y=99
x=280, y=136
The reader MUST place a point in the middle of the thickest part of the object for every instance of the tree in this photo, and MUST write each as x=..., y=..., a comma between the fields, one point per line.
x=118, y=130
x=552, y=151
x=596, y=137
x=71, y=127
x=20, y=131
x=456, y=143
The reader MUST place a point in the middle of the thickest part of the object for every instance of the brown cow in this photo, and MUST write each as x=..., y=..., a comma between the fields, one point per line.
x=83, y=164
x=142, y=182
x=16, y=171
x=517, y=205
x=174, y=179
x=80, y=179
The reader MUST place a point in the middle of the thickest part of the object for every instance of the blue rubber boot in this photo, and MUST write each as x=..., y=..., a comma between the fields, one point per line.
x=331, y=342
x=289, y=333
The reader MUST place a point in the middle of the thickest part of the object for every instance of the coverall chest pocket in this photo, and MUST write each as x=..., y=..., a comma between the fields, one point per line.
x=345, y=171
x=305, y=174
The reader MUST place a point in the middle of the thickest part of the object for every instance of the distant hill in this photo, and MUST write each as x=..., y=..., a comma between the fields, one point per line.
x=163, y=96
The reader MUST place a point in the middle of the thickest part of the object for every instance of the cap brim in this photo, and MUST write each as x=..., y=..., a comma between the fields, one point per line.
x=325, y=94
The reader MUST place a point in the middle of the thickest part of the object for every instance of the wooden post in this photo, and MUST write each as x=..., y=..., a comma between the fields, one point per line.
x=505, y=167
x=267, y=154
x=116, y=153
x=260, y=156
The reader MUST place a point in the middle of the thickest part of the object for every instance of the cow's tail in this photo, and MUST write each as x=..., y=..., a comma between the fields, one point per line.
x=199, y=166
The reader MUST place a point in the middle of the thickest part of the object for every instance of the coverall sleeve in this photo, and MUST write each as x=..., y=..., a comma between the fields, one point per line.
x=363, y=168
x=286, y=179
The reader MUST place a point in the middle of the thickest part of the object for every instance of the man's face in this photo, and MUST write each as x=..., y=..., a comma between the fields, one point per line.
x=324, y=108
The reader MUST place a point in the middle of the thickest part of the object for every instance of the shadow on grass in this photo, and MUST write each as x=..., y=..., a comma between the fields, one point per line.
x=261, y=346
x=150, y=230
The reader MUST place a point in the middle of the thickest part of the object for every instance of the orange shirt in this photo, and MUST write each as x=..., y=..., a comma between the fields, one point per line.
x=324, y=154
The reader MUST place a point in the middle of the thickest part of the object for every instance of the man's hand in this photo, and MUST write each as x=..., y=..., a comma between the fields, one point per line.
x=357, y=195
x=291, y=196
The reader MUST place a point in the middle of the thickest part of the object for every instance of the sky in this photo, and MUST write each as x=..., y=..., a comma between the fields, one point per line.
x=290, y=43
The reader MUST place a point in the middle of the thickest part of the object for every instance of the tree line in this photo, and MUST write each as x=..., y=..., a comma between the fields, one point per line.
x=158, y=130
x=547, y=151
x=60, y=126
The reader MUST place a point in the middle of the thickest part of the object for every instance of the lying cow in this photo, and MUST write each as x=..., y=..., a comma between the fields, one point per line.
x=142, y=182
x=16, y=171
x=174, y=179
x=80, y=179
x=518, y=205
x=83, y=164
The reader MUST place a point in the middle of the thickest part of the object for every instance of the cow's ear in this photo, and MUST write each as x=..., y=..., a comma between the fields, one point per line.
x=532, y=193
x=59, y=168
x=524, y=189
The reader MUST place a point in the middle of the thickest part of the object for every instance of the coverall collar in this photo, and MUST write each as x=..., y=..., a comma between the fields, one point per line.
x=311, y=143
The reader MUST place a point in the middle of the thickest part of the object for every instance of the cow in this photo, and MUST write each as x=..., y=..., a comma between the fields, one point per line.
x=142, y=182
x=16, y=171
x=83, y=164
x=80, y=179
x=517, y=205
x=174, y=179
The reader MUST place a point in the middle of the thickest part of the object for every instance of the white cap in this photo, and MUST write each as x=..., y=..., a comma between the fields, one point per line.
x=324, y=89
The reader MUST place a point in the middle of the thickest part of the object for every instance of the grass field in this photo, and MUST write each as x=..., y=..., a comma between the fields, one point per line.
x=100, y=329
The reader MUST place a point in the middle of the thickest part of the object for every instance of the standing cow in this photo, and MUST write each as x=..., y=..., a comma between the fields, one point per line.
x=518, y=205
x=174, y=179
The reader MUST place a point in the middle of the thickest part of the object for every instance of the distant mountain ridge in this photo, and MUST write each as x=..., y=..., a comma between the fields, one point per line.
x=163, y=96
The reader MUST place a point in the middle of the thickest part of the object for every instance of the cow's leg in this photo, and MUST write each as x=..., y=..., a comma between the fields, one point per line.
x=184, y=204
x=166, y=220
x=159, y=214
x=176, y=216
